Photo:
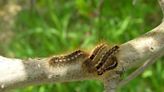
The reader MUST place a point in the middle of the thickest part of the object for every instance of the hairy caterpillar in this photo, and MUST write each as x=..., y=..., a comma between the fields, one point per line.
x=67, y=58
x=100, y=60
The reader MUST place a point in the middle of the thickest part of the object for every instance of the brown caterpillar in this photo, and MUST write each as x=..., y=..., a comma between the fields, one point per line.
x=103, y=64
x=67, y=58
x=102, y=59
x=92, y=60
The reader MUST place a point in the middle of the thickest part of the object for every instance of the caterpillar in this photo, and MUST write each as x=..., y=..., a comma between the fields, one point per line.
x=102, y=59
x=67, y=58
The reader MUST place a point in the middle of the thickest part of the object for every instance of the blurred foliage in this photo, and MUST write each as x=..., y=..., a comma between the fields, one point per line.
x=48, y=27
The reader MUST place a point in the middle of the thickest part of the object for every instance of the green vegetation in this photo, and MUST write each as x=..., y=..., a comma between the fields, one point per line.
x=49, y=27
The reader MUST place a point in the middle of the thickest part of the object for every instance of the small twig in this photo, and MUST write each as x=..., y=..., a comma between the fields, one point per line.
x=141, y=69
x=134, y=2
x=99, y=8
x=161, y=3
x=110, y=85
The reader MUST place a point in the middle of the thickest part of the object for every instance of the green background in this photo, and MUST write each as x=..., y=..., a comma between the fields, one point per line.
x=49, y=27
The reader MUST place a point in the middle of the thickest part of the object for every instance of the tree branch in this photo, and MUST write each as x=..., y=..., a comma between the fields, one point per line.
x=15, y=73
x=141, y=69
x=136, y=51
x=147, y=47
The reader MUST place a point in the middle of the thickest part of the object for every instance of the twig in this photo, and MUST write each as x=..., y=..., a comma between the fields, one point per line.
x=141, y=69
x=99, y=8
x=134, y=2
x=161, y=3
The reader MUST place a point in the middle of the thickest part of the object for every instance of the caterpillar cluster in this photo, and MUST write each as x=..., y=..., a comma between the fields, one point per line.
x=101, y=59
